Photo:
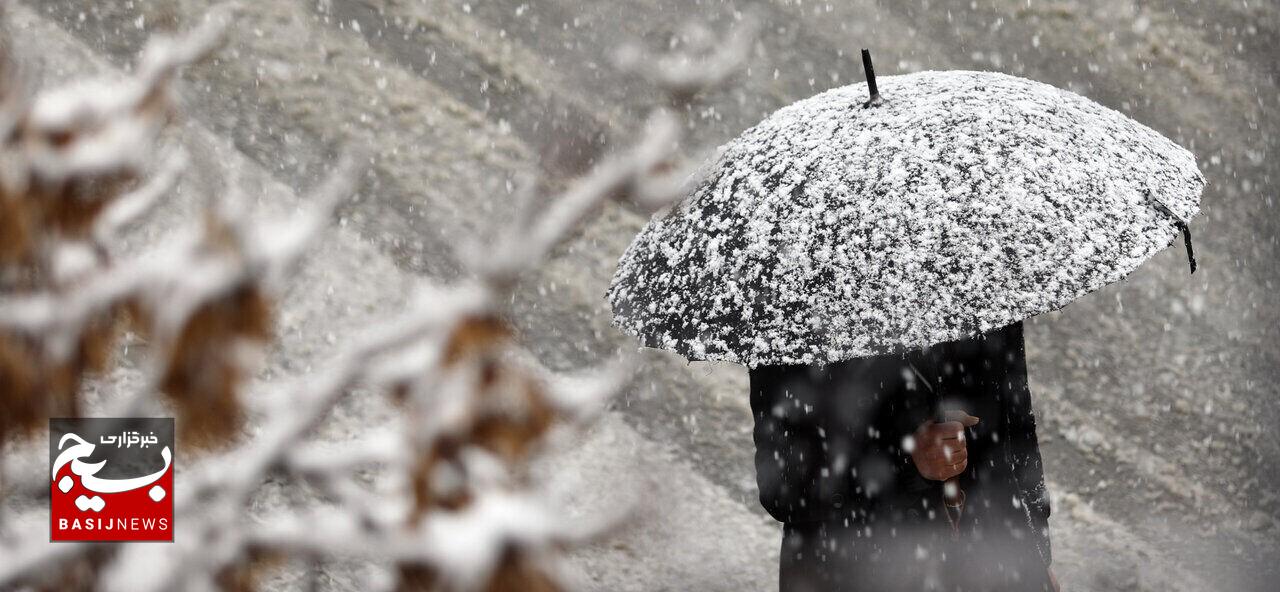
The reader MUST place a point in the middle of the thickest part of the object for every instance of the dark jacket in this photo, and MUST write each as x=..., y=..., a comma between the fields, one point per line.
x=832, y=467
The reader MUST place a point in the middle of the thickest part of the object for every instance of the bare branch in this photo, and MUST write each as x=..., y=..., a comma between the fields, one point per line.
x=709, y=63
x=473, y=406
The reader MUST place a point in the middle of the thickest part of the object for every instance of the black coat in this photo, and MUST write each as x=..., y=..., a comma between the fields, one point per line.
x=832, y=467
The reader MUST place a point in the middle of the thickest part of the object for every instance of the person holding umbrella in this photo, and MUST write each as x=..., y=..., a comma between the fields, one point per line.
x=870, y=259
x=849, y=455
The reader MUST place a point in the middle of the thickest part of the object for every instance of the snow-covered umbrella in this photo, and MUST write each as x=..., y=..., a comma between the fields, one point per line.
x=957, y=203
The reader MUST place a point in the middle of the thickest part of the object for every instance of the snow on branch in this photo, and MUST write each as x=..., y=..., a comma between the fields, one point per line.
x=706, y=62
x=452, y=508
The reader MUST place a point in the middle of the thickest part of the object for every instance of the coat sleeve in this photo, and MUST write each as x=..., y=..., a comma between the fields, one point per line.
x=829, y=442
x=789, y=443
x=1025, y=451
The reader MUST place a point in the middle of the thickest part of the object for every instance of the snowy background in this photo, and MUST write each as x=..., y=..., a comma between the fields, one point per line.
x=1157, y=397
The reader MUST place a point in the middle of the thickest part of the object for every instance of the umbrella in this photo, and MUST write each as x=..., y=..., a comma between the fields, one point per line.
x=948, y=204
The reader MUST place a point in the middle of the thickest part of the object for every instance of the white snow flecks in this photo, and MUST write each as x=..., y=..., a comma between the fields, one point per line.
x=968, y=201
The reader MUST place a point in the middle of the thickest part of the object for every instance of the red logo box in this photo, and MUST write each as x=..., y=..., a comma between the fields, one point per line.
x=111, y=479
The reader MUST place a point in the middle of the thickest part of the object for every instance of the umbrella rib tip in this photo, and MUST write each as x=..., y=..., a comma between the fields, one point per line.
x=1183, y=225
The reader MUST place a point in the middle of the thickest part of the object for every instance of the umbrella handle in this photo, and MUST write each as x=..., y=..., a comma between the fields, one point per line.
x=952, y=495
x=951, y=492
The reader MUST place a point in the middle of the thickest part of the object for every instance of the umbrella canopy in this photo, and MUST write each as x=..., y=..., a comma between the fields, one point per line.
x=841, y=227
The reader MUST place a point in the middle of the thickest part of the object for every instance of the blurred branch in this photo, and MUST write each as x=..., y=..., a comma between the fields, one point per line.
x=132, y=206
x=473, y=405
x=617, y=176
x=708, y=62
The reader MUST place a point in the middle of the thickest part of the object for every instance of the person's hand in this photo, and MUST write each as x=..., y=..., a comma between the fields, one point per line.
x=1053, y=581
x=940, y=452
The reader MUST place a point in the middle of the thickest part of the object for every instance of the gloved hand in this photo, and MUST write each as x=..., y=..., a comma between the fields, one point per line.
x=939, y=450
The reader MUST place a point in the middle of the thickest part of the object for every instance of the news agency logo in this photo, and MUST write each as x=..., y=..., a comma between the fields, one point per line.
x=112, y=479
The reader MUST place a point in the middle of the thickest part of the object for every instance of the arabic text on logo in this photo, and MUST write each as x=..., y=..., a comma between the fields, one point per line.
x=111, y=479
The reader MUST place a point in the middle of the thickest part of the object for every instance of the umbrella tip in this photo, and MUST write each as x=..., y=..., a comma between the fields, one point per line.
x=875, y=99
x=1191, y=253
x=1182, y=224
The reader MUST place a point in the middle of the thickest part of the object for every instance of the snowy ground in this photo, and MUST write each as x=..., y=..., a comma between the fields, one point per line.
x=1155, y=396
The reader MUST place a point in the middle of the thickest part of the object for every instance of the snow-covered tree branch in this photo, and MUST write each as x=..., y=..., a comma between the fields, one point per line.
x=452, y=507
